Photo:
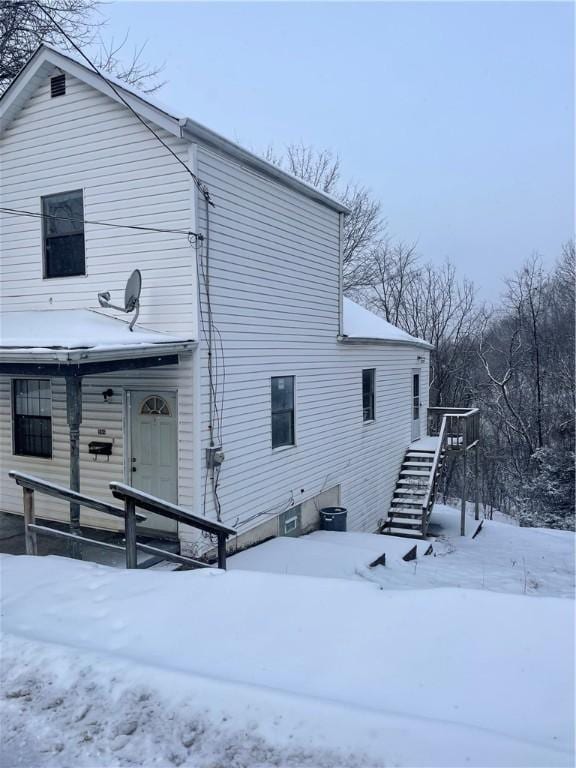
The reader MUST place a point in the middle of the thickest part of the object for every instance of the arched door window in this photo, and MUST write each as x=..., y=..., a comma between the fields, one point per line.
x=155, y=406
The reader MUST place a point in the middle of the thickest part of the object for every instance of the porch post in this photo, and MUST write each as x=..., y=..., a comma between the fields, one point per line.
x=476, y=483
x=74, y=419
x=463, y=507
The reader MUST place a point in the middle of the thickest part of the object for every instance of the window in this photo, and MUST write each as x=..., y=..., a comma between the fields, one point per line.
x=32, y=417
x=155, y=406
x=63, y=229
x=368, y=389
x=282, y=390
x=415, y=396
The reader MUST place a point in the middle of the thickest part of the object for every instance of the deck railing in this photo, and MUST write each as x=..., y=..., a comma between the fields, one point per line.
x=132, y=499
x=462, y=426
x=458, y=430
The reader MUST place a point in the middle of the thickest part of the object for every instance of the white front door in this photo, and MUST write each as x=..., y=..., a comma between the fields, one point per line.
x=416, y=404
x=153, y=459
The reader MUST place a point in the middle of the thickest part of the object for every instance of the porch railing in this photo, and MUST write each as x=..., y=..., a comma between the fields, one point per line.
x=132, y=499
x=435, y=473
x=462, y=426
x=458, y=429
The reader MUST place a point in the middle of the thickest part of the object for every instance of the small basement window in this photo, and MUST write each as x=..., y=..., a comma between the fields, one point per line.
x=57, y=85
x=32, y=417
x=368, y=394
x=63, y=231
x=282, y=396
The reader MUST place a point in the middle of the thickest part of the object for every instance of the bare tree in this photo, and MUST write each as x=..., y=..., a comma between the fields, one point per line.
x=363, y=227
x=527, y=392
x=25, y=24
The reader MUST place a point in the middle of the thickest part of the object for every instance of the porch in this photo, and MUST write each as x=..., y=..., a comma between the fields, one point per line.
x=76, y=386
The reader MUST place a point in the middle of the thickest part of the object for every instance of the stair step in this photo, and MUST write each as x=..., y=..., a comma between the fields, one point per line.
x=421, y=454
x=405, y=511
x=421, y=464
x=406, y=533
x=410, y=484
x=415, y=491
x=404, y=504
x=414, y=473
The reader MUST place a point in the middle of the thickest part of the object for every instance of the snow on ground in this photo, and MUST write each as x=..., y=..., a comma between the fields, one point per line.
x=105, y=667
x=323, y=553
x=502, y=557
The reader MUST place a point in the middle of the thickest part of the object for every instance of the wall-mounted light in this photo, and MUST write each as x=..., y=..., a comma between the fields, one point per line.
x=107, y=394
x=421, y=359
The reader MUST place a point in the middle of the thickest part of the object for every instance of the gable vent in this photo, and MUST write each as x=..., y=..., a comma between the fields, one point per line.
x=57, y=85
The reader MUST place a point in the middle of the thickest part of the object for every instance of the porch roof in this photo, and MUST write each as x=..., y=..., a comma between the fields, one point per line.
x=79, y=342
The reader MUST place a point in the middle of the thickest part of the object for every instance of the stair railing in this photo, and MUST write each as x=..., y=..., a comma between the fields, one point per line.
x=459, y=430
x=132, y=498
x=430, y=496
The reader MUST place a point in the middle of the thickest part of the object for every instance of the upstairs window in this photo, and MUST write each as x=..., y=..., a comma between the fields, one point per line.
x=32, y=417
x=63, y=229
x=368, y=394
x=282, y=392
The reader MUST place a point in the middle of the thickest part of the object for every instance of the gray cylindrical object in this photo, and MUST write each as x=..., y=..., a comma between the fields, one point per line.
x=333, y=518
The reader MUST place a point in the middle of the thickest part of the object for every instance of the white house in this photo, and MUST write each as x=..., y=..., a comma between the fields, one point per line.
x=243, y=344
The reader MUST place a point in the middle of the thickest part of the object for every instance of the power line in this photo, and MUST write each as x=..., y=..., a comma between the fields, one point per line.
x=37, y=215
x=200, y=185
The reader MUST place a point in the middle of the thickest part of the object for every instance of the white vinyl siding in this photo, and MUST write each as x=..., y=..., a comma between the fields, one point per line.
x=274, y=290
x=85, y=141
x=95, y=474
x=274, y=256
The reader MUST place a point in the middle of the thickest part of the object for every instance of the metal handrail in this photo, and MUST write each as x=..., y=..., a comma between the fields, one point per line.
x=132, y=498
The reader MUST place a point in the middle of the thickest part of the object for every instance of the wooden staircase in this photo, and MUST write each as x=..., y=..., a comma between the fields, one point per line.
x=415, y=491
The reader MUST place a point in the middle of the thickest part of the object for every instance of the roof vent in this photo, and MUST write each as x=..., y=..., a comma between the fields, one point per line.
x=57, y=85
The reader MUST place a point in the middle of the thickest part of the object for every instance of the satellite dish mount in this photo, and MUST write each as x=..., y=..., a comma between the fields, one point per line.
x=131, y=297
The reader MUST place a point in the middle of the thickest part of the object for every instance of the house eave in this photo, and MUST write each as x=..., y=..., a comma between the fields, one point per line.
x=65, y=357
x=194, y=131
x=357, y=340
x=177, y=125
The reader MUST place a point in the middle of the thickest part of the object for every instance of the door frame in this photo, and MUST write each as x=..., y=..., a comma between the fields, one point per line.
x=127, y=429
x=414, y=372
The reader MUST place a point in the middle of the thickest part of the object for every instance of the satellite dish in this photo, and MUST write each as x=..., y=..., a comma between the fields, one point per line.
x=131, y=297
x=132, y=292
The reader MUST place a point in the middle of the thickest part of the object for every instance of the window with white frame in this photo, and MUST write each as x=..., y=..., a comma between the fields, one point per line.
x=368, y=394
x=32, y=417
x=63, y=234
x=282, y=397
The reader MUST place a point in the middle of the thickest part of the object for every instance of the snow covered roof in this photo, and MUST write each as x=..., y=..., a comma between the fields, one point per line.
x=70, y=335
x=46, y=59
x=359, y=324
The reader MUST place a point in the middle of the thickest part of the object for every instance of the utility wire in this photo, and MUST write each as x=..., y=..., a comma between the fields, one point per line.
x=37, y=215
x=200, y=185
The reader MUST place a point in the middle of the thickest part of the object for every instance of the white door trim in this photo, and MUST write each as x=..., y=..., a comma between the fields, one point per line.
x=416, y=424
x=127, y=428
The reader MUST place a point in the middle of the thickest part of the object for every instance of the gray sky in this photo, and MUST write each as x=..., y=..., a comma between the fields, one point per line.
x=458, y=116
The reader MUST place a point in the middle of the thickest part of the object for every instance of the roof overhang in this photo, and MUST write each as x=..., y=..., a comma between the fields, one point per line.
x=80, y=342
x=419, y=343
x=47, y=60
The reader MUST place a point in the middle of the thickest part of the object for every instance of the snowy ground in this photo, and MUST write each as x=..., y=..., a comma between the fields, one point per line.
x=104, y=667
